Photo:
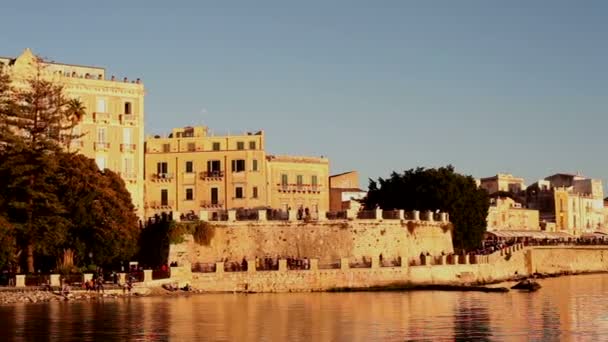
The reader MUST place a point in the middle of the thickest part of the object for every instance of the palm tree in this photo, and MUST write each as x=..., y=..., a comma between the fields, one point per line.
x=75, y=111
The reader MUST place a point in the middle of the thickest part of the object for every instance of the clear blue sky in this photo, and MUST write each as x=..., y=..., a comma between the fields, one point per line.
x=377, y=86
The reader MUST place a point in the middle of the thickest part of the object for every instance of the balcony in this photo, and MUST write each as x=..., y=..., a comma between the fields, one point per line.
x=162, y=177
x=102, y=146
x=159, y=205
x=128, y=147
x=211, y=204
x=300, y=188
x=128, y=176
x=101, y=117
x=211, y=175
x=128, y=119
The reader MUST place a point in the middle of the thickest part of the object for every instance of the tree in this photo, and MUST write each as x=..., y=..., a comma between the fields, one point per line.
x=36, y=119
x=101, y=214
x=436, y=189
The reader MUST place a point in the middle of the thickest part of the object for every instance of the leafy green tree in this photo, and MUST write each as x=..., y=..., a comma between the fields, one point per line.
x=436, y=189
x=101, y=215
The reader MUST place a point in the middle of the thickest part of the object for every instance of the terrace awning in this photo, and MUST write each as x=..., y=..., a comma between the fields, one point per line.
x=531, y=234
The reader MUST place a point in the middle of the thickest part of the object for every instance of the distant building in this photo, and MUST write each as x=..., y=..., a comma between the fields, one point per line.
x=112, y=128
x=573, y=203
x=192, y=169
x=502, y=182
x=506, y=214
x=298, y=183
x=343, y=190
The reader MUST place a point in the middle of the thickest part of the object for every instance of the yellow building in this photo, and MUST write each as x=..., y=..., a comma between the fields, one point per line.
x=506, y=214
x=502, y=182
x=298, y=183
x=573, y=203
x=192, y=170
x=113, y=125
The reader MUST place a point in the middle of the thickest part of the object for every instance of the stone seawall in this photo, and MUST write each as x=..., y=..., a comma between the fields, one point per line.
x=327, y=241
x=516, y=262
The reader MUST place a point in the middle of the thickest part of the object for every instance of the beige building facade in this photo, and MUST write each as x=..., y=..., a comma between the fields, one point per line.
x=298, y=183
x=502, y=182
x=573, y=203
x=113, y=125
x=191, y=170
x=506, y=214
x=344, y=191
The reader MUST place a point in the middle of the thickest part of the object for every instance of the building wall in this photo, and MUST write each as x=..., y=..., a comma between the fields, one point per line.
x=106, y=126
x=293, y=195
x=343, y=188
x=197, y=148
x=505, y=215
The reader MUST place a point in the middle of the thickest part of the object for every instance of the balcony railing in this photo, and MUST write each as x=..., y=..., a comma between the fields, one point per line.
x=159, y=204
x=212, y=175
x=211, y=204
x=162, y=177
x=128, y=147
x=128, y=119
x=102, y=146
x=101, y=116
x=302, y=188
x=128, y=175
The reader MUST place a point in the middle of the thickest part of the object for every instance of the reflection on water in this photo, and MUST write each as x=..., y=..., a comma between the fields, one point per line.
x=572, y=308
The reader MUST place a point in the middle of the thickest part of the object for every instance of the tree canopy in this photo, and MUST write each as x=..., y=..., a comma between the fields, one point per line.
x=436, y=189
x=54, y=203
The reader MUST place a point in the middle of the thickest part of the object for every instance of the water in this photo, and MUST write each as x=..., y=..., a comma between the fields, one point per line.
x=570, y=308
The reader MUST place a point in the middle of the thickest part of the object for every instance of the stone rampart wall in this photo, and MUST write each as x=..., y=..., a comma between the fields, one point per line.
x=327, y=241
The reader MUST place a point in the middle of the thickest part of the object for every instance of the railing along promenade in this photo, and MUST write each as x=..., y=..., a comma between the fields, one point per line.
x=262, y=215
x=55, y=281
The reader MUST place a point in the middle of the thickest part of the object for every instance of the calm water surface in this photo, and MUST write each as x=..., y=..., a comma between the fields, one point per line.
x=572, y=308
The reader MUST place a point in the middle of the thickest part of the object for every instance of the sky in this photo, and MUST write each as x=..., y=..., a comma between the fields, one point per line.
x=376, y=86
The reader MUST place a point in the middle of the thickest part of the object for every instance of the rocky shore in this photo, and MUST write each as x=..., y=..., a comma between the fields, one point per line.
x=13, y=296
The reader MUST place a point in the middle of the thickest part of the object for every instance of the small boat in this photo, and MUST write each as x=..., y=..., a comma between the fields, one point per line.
x=527, y=285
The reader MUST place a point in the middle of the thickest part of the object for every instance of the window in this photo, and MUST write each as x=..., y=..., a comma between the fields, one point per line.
x=254, y=167
x=254, y=192
x=101, y=106
x=126, y=135
x=189, y=167
x=284, y=180
x=101, y=162
x=238, y=165
x=240, y=145
x=216, y=146
x=128, y=108
x=101, y=134
x=314, y=182
x=166, y=148
x=252, y=145
x=215, y=196
x=189, y=194
x=161, y=168
x=127, y=165
x=191, y=147
x=299, y=180
x=164, y=197
x=213, y=166
x=238, y=192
